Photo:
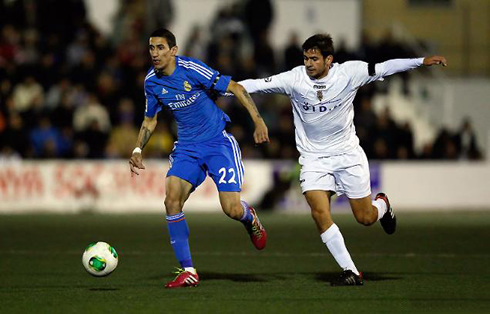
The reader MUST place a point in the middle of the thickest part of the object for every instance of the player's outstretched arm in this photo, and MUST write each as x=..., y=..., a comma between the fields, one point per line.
x=380, y=70
x=147, y=128
x=435, y=60
x=261, y=134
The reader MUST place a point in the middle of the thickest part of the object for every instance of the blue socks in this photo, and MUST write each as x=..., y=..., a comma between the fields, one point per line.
x=179, y=239
x=247, y=217
x=179, y=234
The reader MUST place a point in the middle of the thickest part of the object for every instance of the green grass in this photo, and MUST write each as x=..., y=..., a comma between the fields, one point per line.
x=434, y=263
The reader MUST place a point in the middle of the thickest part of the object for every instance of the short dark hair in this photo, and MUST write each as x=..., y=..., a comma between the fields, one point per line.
x=165, y=33
x=322, y=42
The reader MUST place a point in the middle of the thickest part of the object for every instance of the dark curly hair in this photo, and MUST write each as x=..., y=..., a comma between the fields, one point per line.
x=322, y=42
x=165, y=33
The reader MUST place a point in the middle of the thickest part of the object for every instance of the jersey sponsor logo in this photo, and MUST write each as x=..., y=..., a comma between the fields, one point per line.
x=184, y=103
x=315, y=108
x=318, y=108
x=319, y=86
x=164, y=91
x=187, y=86
x=268, y=79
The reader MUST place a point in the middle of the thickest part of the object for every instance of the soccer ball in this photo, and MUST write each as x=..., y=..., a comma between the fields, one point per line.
x=99, y=259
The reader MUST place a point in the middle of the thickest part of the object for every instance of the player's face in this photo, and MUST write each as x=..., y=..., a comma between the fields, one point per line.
x=161, y=54
x=316, y=65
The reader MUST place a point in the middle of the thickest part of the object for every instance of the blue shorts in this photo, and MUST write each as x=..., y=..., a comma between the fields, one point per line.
x=219, y=157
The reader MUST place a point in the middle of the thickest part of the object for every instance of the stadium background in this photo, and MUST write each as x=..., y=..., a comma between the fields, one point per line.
x=71, y=91
x=71, y=103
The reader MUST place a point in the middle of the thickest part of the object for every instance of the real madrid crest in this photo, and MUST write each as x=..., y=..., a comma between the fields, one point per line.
x=187, y=86
x=319, y=95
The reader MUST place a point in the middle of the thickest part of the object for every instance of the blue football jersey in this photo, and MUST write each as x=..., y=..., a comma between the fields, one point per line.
x=185, y=94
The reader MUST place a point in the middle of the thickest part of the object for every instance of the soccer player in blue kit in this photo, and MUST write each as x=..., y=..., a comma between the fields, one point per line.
x=182, y=85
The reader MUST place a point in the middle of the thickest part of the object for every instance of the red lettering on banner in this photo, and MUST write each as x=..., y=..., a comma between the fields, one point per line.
x=149, y=183
x=77, y=180
x=21, y=182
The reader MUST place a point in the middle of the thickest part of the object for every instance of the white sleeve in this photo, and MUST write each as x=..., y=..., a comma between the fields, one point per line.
x=397, y=65
x=276, y=84
x=363, y=73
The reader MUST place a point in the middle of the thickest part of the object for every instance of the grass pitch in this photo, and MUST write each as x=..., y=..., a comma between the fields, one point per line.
x=434, y=263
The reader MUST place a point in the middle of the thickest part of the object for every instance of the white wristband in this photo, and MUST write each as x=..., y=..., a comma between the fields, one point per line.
x=137, y=150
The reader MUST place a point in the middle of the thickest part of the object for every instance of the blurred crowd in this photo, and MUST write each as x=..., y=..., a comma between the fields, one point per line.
x=68, y=91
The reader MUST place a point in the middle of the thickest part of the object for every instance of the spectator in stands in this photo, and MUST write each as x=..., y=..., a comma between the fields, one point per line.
x=445, y=146
x=8, y=154
x=124, y=135
x=70, y=60
x=367, y=50
x=9, y=44
x=159, y=13
x=16, y=135
x=47, y=140
x=195, y=46
x=95, y=139
x=365, y=121
x=293, y=54
x=391, y=48
x=56, y=92
x=466, y=141
x=258, y=18
x=404, y=141
x=28, y=95
x=342, y=53
x=161, y=142
x=426, y=152
x=62, y=115
x=85, y=71
x=228, y=32
x=89, y=112
x=385, y=136
x=28, y=53
x=5, y=89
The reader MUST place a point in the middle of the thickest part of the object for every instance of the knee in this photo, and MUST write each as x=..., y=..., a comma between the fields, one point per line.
x=172, y=205
x=364, y=219
x=233, y=210
x=317, y=213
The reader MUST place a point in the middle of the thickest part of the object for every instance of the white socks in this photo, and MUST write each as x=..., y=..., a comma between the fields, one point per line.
x=336, y=245
x=191, y=270
x=381, y=207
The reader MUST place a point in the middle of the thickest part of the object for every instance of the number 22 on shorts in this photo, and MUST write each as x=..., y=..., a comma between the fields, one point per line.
x=222, y=179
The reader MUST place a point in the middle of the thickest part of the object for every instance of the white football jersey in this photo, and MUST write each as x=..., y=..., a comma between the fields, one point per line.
x=322, y=109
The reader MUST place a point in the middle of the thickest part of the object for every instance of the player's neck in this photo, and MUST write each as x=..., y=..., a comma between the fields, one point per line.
x=169, y=69
x=323, y=75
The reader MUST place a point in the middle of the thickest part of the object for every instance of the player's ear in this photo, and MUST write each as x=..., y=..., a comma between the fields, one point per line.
x=173, y=50
x=328, y=60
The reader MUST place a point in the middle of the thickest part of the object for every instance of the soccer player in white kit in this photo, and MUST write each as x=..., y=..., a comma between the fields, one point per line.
x=331, y=159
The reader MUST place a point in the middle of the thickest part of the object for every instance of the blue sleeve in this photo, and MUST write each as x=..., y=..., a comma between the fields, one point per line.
x=152, y=105
x=222, y=83
x=205, y=75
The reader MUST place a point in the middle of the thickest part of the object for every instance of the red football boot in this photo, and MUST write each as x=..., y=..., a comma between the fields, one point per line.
x=183, y=279
x=256, y=231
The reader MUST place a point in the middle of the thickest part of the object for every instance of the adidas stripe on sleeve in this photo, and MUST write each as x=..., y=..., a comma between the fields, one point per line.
x=206, y=76
x=152, y=105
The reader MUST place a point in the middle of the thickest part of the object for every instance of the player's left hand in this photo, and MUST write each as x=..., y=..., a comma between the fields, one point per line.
x=437, y=60
x=135, y=163
x=261, y=134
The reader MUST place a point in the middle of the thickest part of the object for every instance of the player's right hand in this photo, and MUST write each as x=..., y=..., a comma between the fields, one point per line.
x=435, y=60
x=261, y=133
x=136, y=162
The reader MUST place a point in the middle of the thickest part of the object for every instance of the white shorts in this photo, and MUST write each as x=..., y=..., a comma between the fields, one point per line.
x=347, y=174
